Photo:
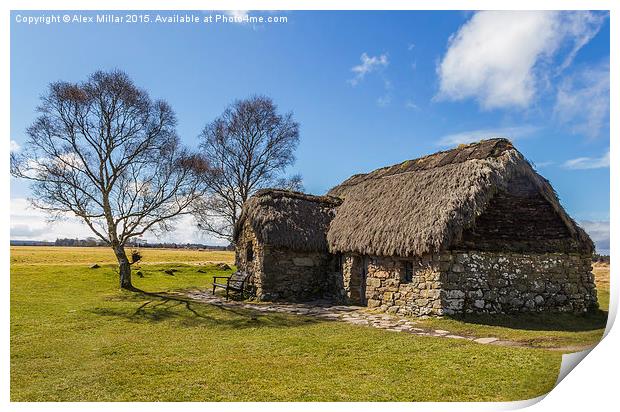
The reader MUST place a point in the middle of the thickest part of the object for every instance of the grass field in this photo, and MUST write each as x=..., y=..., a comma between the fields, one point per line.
x=37, y=255
x=76, y=337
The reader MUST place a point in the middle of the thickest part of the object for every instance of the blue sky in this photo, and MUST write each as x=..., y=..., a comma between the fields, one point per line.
x=369, y=89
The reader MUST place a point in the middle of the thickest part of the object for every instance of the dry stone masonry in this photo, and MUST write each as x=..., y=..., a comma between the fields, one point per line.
x=486, y=282
x=455, y=282
x=291, y=275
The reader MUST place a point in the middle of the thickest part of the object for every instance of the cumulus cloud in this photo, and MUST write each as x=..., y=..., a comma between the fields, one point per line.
x=599, y=232
x=368, y=64
x=29, y=223
x=499, y=57
x=25, y=232
x=15, y=147
x=588, y=162
x=582, y=101
x=512, y=133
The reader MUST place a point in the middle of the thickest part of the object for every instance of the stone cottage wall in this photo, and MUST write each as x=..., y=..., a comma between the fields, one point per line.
x=385, y=288
x=255, y=267
x=484, y=282
x=475, y=282
x=296, y=276
x=283, y=274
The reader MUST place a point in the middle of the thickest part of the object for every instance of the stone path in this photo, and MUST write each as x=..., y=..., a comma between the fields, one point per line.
x=356, y=315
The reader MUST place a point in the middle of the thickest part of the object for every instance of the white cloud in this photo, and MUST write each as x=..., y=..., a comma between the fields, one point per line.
x=239, y=16
x=186, y=231
x=588, y=162
x=499, y=57
x=29, y=223
x=580, y=28
x=15, y=147
x=543, y=164
x=26, y=232
x=409, y=104
x=582, y=101
x=22, y=209
x=512, y=133
x=369, y=64
x=599, y=232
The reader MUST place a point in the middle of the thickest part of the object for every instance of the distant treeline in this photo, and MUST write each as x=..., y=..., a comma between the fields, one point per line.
x=600, y=258
x=180, y=246
x=88, y=242
x=31, y=243
x=94, y=242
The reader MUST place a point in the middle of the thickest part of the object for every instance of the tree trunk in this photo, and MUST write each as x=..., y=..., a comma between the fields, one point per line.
x=124, y=267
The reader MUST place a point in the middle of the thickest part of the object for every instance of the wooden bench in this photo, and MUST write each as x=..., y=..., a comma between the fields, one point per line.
x=235, y=282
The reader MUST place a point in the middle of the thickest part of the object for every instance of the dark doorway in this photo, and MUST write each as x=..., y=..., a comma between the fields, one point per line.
x=363, y=276
x=249, y=252
x=357, y=273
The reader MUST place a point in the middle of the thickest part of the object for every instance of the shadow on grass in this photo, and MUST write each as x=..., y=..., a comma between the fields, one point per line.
x=560, y=322
x=162, y=306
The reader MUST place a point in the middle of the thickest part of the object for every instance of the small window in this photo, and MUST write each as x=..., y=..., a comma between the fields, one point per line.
x=407, y=271
x=249, y=252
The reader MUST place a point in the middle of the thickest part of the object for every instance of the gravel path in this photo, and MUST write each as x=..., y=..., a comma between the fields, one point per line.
x=356, y=315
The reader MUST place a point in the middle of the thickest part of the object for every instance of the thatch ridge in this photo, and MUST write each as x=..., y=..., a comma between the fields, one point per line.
x=288, y=219
x=484, y=149
x=423, y=205
x=282, y=193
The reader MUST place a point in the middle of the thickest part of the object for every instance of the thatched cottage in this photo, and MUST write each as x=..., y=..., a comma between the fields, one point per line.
x=469, y=230
x=280, y=240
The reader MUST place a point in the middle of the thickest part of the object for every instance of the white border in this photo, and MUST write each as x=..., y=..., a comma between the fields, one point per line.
x=592, y=385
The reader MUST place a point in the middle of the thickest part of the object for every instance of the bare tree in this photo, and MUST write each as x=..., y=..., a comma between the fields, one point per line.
x=105, y=152
x=249, y=148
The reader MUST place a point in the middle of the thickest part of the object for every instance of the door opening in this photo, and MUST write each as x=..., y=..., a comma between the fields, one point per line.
x=363, y=276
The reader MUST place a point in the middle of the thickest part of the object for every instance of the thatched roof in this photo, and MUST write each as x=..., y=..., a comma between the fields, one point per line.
x=287, y=219
x=423, y=205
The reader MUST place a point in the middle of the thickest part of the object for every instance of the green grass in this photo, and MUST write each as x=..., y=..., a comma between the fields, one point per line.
x=76, y=337
x=564, y=332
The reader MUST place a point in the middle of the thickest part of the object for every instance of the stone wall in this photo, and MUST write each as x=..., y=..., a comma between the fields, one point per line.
x=296, y=276
x=474, y=282
x=483, y=282
x=247, y=240
x=283, y=274
x=386, y=289
x=519, y=220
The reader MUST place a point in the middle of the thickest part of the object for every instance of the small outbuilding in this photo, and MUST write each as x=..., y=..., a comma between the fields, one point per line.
x=469, y=230
x=280, y=241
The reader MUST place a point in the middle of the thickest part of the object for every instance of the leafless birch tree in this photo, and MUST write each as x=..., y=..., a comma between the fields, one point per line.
x=103, y=151
x=249, y=147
